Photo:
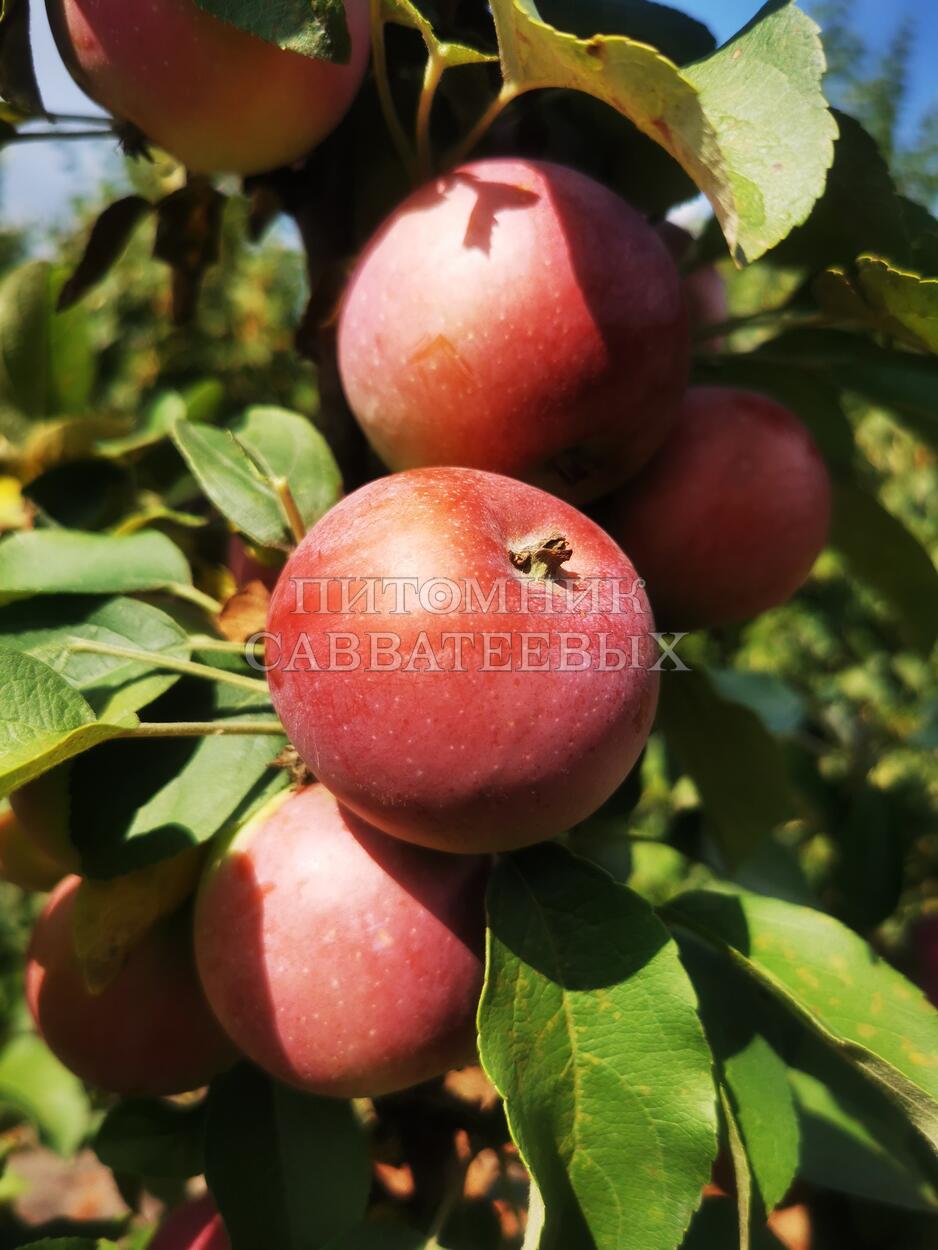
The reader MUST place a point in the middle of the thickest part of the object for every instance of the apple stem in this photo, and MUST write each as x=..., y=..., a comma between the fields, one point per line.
x=204, y=729
x=543, y=560
x=289, y=508
x=459, y=153
x=431, y=81
x=82, y=646
x=383, y=85
x=182, y=590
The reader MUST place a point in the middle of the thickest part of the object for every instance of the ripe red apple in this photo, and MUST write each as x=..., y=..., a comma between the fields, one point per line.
x=149, y=1033
x=42, y=809
x=22, y=862
x=446, y=705
x=340, y=960
x=704, y=288
x=730, y=516
x=196, y=1225
x=217, y=98
x=516, y=316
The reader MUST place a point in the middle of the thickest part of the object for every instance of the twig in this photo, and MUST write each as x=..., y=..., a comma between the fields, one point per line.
x=190, y=668
x=431, y=81
x=182, y=590
x=383, y=84
x=289, y=508
x=204, y=729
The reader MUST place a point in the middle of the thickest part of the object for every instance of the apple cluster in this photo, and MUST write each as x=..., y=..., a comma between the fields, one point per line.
x=464, y=659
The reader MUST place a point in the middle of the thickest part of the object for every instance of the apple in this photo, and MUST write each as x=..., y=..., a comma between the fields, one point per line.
x=516, y=316
x=704, y=288
x=246, y=567
x=42, y=809
x=196, y=1225
x=340, y=960
x=729, y=518
x=217, y=98
x=493, y=682
x=150, y=1033
x=22, y=862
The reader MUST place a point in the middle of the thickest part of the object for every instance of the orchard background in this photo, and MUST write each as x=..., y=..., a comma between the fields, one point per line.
x=773, y=858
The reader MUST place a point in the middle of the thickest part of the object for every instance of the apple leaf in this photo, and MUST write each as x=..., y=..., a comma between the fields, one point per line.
x=749, y=123
x=109, y=235
x=111, y=917
x=137, y=802
x=589, y=1030
x=44, y=627
x=759, y=1100
x=678, y=35
x=847, y=1147
x=737, y=766
x=314, y=28
x=884, y=299
x=286, y=445
x=286, y=1169
x=34, y=1083
x=63, y=562
x=43, y=721
x=18, y=85
x=151, y=1138
x=404, y=13
x=834, y=983
x=882, y=552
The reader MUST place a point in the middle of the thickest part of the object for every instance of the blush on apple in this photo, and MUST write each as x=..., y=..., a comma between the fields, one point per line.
x=340, y=960
x=217, y=98
x=196, y=1225
x=730, y=516
x=516, y=316
x=465, y=661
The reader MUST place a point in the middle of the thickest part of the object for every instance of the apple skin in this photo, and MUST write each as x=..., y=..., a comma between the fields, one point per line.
x=704, y=288
x=518, y=317
x=22, y=862
x=150, y=1033
x=343, y=962
x=196, y=1225
x=469, y=758
x=42, y=809
x=217, y=98
x=729, y=518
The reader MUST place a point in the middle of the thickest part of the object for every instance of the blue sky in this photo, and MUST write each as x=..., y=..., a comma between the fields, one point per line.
x=37, y=181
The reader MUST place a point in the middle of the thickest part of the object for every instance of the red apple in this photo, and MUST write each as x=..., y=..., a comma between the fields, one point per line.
x=217, y=98
x=22, y=862
x=490, y=687
x=149, y=1033
x=341, y=961
x=704, y=288
x=516, y=316
x=729, y=518
x=196, y=1225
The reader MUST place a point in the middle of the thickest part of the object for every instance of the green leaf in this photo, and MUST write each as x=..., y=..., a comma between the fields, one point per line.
x=109, y=235
x=678, y=36
x=749, y=123
x=286, y=1169
x=62, y=562
x=44, y=627
x=149, y=1138
x=43, y=721
x=781, y=708
x=283, y=444
x=138, y=802
x=754, y=1078
x=155, y=424
x=588, y=1027
x=882, y=552
x=736, y=764
x=35, y=1084
x=742, y=1171
x=315, y=28
x=46, y=359
x=230, y=479
x=835, y=984
x=452, y=55
x=847, y=1147
x=881, y=297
